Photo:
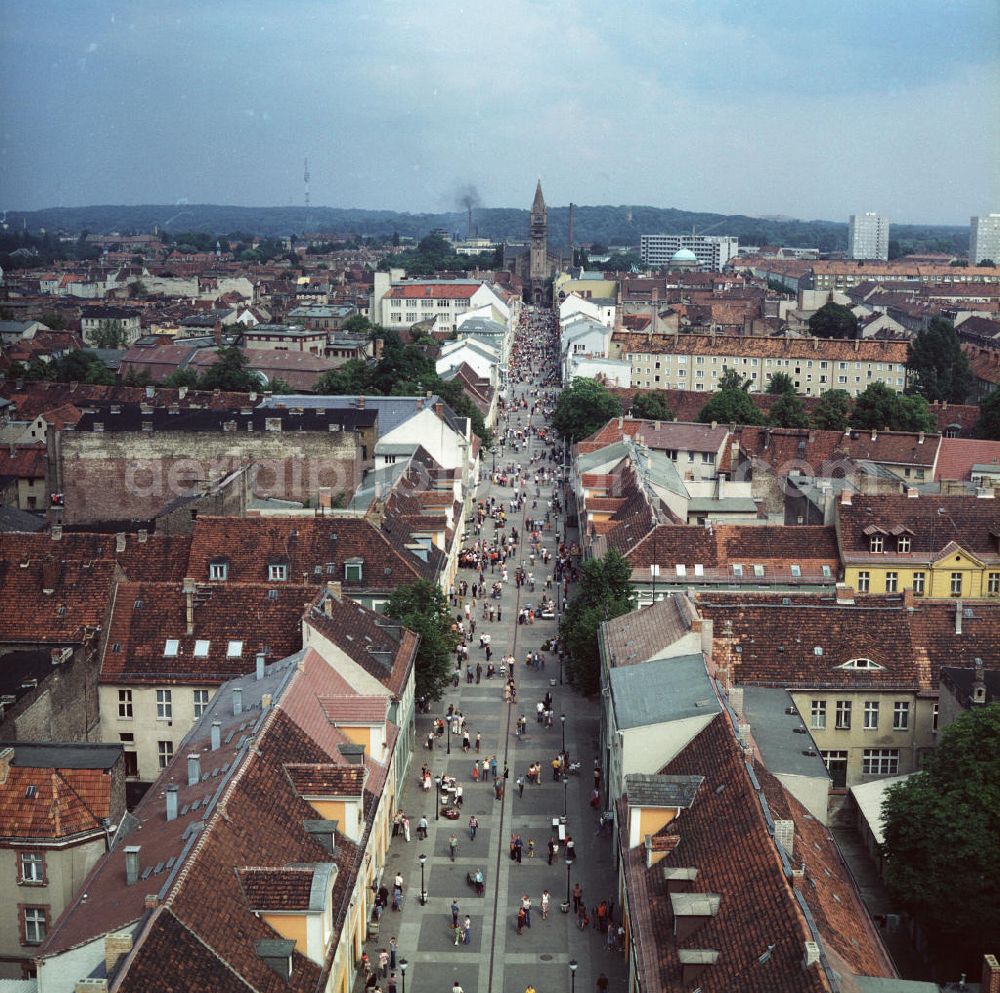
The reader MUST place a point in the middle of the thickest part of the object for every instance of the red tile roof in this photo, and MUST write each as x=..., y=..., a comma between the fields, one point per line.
x=432, y=291
x=22, y=461
x=819, y=452
x=958, y=455
x=326, y=779
x=278, y=888
x=51, y=804
x=349, y=708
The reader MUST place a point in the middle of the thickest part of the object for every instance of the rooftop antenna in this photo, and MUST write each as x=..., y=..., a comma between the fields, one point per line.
x=305, y=179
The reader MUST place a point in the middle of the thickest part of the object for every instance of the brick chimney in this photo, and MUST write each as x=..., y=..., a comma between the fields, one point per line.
x=845, y=595
x=189, y=589
x=116, y=947
x=958, y=616
x=990, y=982
x=120, y=542
x=217, y=333
x=845, y=497
x=6, y=757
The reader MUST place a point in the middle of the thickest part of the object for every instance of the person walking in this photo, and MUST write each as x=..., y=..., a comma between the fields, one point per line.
x=467, y=931
x=473, y=827
x=406, y=828
x=392, y=952
x=455, y=910
x=520, y=919
x=457, y=931
x=383, y=963
x=526, y=906
x=546, y=899
x=577, y=897
x=453, y=846
x=422, y=827
x=520, y=786
x=602, y=983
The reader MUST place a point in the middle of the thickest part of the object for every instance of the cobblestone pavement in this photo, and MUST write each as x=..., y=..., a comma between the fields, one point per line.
x=498, y=959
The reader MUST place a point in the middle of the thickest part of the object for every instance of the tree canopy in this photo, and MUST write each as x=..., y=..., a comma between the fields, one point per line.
x=780, y=383
x=833, y=320
x=833, y=412
x=651, y=405
x=938, y=368
x=988, y=425
x=731, y=403
x=423, y=608
x=881, y=408
x=230, y=372
x=583, y=407
x=942, y=836
x=788, y=411
x=605, y=592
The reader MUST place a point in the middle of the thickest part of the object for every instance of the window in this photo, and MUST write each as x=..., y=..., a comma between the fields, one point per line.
x=707, y=458
x=818, y=715
x=891, y=582
x=876, y=543
x=919, y=583
x=826, y=572
x=843, y=715
x=234, y=649
x=836, y=764
x=758, y=571
x=277, y=572
x=796, y=570
x=880, y=762
x=125, y=704
x=956, y=584
x=353, y=570
x=33, y=924
x=201, y=647
x=165, y=751
x=993, y=583
x=738, y=570
x=200, y=702
x=935, y=712
x=903, y=543
x=218, y=570
x=900, y=716
x=171, y=648
x=871, y=715
x=864, y=581
x=164, y=705
x=32, y=868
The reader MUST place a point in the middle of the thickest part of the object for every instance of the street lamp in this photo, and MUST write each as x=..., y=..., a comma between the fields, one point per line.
x=437, y=799
x=449, y=737
x=562, y=720
x=423, y=892
x=403, y=966
x=569, y=866
x=573, y=966
x=565, y=796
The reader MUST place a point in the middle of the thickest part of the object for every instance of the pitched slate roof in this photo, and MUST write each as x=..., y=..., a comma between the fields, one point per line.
x=640, y=634
x=932, y=523
x=661, y=790
x=662, y=690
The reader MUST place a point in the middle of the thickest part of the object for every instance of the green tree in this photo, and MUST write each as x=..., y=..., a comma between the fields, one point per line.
x=182, y=377
x=230, y=372
x=357, y=324
x=780, y=383
x=81, y=366
x=942, y=836
x=423, y=608
x=137, y=377
x=880, y=407
x=833, y=320
x=788, y=411
x=108, y=334
x=833, y=412
x=988, y=425
x=605, y=592
x=350, y=379
x=731, y=403
x=279, y=385
x=651, y=405
x=937, y=365
x=583, y=407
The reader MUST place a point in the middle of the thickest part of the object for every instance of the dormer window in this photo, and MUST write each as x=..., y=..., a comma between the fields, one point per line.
x=353, y=570
x=903, y=543
x=861, y=664
x=277, y=572
x=171, y=648
x=876, y=543
x=218, y=571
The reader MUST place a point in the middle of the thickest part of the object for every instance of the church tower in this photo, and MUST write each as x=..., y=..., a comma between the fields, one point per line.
x=538, y=265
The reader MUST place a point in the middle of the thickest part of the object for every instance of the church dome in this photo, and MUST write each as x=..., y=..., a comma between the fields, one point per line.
x=684, y=255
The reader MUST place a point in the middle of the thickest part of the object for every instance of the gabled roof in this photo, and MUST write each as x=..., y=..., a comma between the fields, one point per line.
x=641, y=635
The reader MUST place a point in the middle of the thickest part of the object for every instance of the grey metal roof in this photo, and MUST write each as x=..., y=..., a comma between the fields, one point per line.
x=379, y=481
x=63, y=755
x=662, y=690
x=781, y=747
x=728, y=505
x=661, y=791
x=12, y=519
x=481, y=324
x=392, y=411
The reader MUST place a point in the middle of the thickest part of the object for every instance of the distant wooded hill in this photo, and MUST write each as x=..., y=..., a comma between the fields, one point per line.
x=605, y=225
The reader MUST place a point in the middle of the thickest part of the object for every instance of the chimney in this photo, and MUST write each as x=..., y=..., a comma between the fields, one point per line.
x=172, y=802
x=266, y=699
x=958, y=616
x=908, y=597
x=845, y=497
x=217, y=333
x=912, y=492
x=334, y=588
x=237, y=701
x=194, y=769
x=261, y=660
x=920, y=438
x=90, y=985
x=116, y=947
x=216, y=735
x=991, y=975
x=188, y=590
x=874, y=434
x=132, y=864
x=811, y=956
x=845, y=595
x=6, y=757
x=56, y=532
x=361, y=403
x=784, y=835
x=120, y=542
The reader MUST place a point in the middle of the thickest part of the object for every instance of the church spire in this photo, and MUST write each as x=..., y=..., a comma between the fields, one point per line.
x=538, y=204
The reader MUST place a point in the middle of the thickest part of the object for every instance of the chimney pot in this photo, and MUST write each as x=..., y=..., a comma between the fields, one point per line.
x=261, y=659
x=172, y=800
x=56, y=533
x=216, y=735
x=959, y=613
x=237, y=701
x=194, y=769
x=132, y=864
x=120, y=542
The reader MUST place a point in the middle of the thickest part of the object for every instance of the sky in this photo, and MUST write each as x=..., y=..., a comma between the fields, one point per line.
x=803, y=108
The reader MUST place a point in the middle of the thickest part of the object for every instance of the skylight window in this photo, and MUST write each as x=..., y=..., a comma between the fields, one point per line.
x=681, y=569
x=796, y=571
x=737, y=569
x=201, y=647
x=171, y=648
x=234, y=649
x=758, y=571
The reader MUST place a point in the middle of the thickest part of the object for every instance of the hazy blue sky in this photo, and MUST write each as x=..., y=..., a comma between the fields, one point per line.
x=812, y=108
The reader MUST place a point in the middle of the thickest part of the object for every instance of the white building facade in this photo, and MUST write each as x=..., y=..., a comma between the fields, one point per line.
x=868, y=236
x=984, y=239
x=711, y=251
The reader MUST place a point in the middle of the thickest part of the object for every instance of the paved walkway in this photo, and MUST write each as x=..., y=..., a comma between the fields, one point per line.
x=498, y=960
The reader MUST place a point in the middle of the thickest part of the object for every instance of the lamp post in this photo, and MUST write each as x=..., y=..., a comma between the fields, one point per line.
x=437, y=799
x=423, y=892
x=562, y=720
x=573, y=966
x=449, y=736
x=569, y=866
x=565, y=797
x=403, y=966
